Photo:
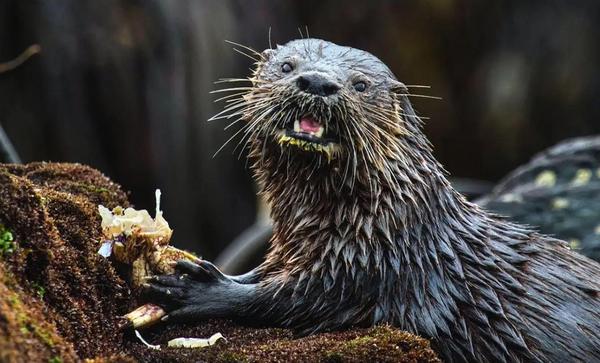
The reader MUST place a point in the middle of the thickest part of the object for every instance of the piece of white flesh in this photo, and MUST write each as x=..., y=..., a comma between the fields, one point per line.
x=194, y=342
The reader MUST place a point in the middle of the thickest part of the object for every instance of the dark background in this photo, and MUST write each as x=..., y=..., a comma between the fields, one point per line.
x=124, y=86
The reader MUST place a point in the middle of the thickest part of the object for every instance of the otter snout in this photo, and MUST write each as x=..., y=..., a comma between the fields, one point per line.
x=317, y=84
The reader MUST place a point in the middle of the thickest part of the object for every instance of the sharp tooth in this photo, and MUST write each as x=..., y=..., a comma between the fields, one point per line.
x=297, y=126
x=319, y=132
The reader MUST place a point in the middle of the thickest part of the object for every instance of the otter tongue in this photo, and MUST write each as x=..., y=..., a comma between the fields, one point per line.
x=309, y=124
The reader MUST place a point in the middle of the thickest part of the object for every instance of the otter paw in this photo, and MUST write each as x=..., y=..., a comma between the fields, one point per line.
x=168, y=290
x=195, y=292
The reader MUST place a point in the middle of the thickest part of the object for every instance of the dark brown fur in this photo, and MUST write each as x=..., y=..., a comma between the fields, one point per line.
x=378, y=235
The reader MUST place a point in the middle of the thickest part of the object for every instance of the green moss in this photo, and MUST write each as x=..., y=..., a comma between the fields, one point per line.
x=55, y=360
x=382, y=341
x=20, y=314
x=43, y=200
x=92, y=188
x=7, y=242
x=40, y=291
x=361, y=341
x=333, y=357
x=44, y=335
x=26, y=325
x=17, y=306
x=14, y=301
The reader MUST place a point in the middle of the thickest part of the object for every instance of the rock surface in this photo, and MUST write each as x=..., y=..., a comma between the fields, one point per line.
x=61, y=302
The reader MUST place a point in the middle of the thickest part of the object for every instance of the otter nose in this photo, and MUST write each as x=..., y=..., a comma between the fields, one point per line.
x=316, y=84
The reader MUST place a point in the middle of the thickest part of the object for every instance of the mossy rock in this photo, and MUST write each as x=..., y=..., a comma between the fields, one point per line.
x=245, y=344
x=60, y=301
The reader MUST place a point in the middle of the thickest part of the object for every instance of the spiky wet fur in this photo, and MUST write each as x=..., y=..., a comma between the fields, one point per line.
x=379, y=235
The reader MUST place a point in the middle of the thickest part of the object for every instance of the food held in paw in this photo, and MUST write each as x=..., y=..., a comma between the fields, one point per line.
x=134, y=238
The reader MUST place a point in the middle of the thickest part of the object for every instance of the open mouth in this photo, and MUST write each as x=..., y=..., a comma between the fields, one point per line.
x=307, y=128
x=308, y=133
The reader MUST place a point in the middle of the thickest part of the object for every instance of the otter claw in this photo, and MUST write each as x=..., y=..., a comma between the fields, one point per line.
x=188, y=267
x=202, y=270
x=168, y=293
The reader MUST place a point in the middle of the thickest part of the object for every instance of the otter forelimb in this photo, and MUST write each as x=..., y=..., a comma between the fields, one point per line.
x=201, y=291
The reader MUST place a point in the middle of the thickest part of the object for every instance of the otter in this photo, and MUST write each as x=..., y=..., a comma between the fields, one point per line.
x=368, y=230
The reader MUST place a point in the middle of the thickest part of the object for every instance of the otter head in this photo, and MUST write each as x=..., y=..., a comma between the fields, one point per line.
x=325, y=109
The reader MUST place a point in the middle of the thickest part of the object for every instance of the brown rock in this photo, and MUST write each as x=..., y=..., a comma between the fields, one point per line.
x=60, y=301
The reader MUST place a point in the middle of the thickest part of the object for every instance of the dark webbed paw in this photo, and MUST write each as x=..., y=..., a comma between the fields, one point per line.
x=196, y=291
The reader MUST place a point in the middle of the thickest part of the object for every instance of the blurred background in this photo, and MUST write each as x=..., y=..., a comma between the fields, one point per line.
x=124, y=86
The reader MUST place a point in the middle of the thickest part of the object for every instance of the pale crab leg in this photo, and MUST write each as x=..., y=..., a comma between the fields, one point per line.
x=144, y=315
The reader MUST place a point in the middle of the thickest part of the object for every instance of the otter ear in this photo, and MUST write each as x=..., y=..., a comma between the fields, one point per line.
x=406, y=109
x=398, y=87
x=268, y=53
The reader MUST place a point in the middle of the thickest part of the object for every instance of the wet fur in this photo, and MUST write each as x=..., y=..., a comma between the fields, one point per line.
x=378, y=235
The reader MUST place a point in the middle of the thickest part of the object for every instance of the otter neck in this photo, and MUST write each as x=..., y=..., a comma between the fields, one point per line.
x=375, y=218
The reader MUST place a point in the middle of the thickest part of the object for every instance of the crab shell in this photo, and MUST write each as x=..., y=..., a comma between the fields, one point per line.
x=158, y=261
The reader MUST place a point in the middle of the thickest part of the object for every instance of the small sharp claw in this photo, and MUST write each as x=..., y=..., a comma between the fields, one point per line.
x=203, y=270
x=185, y=266
x=168, y=295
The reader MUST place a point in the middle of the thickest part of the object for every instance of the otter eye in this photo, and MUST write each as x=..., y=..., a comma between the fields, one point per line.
x=360, y=86
x=286, y=67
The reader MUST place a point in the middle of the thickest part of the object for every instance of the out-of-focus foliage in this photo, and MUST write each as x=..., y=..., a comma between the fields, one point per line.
x=7, y=244
x=124, y=86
